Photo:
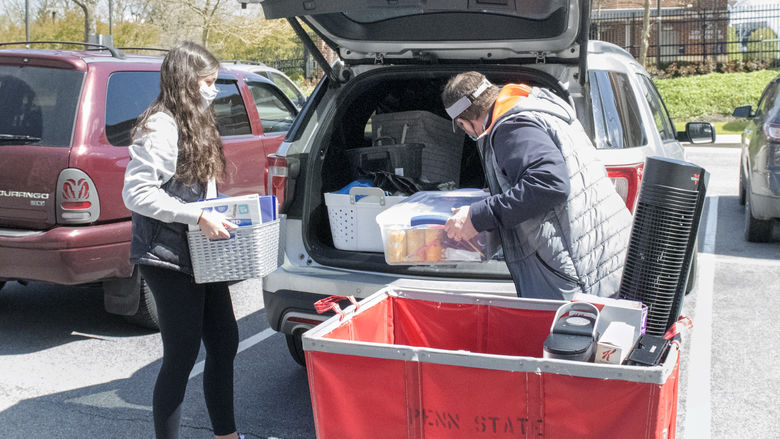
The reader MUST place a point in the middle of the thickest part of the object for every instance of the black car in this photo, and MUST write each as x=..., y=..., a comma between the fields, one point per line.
x=759, y=171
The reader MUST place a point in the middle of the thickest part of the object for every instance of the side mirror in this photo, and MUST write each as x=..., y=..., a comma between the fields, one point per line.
x=697, y=132
x=744, y=111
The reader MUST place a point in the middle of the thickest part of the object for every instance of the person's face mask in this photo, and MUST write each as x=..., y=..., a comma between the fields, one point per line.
x=474, y=138
x=208, y=93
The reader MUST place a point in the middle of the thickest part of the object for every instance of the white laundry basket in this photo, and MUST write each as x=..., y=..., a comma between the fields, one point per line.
x=353, y=219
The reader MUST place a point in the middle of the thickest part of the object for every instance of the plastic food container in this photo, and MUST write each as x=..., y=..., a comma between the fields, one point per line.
x=413, y=230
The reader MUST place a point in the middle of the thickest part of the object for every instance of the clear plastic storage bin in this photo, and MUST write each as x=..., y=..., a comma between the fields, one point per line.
x=413, y=230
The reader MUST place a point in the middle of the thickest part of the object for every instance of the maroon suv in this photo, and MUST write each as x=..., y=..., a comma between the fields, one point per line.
x=65, y=123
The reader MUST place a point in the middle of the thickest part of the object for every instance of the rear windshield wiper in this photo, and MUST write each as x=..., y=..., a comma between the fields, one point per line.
x=18, y=138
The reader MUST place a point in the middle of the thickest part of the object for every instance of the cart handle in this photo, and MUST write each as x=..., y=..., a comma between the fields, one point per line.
x=332, y=303
x=675, y=331
x=366, y=191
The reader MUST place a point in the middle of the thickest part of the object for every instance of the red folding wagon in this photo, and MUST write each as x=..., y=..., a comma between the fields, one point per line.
x=419, y=364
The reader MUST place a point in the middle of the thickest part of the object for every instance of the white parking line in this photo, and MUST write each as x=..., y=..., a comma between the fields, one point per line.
x=698, y=404
x=242, y=346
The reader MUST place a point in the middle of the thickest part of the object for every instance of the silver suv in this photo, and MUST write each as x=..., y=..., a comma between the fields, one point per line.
x=397, y=59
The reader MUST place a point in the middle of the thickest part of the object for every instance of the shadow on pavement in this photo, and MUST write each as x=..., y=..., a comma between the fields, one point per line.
x=731, y=233
x=39, y=316
x=271, y=401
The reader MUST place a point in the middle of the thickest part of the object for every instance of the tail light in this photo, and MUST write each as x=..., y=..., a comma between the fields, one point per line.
x=77, y=198
x=772, y=132
x=627, y=180
x=276, y=172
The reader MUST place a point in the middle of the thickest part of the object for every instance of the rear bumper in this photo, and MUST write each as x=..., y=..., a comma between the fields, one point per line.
x=765, y=206
x=289, y=293
x=67, y=255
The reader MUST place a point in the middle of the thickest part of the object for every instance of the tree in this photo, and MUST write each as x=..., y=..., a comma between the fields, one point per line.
x=762, y=45
x=194, y=19
x=733, y=45
x=90, y=19
x=645, y=37
x=252, y=38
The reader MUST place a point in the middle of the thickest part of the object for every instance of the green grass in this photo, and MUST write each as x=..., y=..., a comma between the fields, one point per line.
x=730, y=127
x=713, y=96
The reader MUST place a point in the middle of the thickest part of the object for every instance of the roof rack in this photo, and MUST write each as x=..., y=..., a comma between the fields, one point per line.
x=88, y=46
x=246, y=61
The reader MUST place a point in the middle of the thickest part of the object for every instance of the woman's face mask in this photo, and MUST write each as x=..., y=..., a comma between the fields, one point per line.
x=208, y=93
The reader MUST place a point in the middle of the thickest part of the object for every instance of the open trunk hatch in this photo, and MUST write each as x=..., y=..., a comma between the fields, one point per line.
x=443, y=29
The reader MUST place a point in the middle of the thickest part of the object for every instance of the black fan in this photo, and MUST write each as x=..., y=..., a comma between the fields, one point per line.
x=666, y=222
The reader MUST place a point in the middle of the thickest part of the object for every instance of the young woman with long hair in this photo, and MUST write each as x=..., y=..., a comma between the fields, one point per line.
x=175, y=159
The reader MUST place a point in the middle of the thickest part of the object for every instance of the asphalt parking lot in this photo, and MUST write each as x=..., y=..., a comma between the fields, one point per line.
x=68, y=370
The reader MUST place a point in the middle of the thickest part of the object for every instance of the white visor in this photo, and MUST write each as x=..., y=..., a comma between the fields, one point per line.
x=459, y=107
x=465, y=102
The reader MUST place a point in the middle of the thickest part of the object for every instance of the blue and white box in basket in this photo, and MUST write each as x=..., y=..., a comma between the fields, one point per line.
x=244, y=210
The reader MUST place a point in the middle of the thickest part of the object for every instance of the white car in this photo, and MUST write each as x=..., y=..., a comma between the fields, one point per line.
x=397, y=59
x=287, y=85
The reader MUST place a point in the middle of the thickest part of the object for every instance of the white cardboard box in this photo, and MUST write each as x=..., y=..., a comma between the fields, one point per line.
x=243, y=210
x=615, y=344
x=631, y=312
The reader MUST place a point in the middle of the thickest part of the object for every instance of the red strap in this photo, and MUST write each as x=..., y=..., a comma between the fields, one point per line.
x=332, y=303
x=677, y=327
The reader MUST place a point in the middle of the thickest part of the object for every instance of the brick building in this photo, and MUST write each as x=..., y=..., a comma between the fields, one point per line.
x=692, y=30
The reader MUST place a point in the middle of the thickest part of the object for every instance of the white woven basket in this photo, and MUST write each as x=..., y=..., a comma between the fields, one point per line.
x=251, y=252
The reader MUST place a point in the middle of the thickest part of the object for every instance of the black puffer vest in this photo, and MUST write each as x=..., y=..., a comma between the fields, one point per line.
x=165, y=244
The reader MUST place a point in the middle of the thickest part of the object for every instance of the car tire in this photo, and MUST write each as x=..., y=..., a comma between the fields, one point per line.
x=295, y=346
x=146, y=316
x=742, y=191
x=756, y=230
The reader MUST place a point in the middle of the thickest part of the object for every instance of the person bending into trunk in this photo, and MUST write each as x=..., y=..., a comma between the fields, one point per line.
x=563, y=227
x=175, y=158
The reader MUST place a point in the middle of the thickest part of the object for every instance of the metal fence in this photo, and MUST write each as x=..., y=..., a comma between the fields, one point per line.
x=694, y=36
x=304, y=67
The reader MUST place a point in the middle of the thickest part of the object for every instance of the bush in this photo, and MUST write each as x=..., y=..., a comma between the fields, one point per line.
x=733, y=45
x=762, y=44
x=685, y=69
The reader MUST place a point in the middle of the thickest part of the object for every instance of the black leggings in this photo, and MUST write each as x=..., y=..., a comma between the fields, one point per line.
x=189, y=312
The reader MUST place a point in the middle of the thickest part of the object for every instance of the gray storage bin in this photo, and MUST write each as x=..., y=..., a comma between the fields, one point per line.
x=443, y=149
x=402, y=159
